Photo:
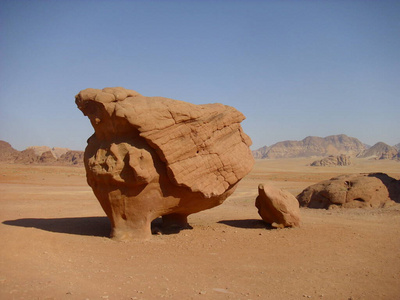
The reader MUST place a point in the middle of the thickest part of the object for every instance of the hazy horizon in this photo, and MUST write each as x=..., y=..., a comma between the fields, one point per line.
x=252, y=147
x=293, y=68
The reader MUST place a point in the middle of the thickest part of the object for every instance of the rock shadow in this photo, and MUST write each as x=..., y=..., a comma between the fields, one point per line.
x=391, y=184
x=88, y=226
x=247, y=223
x=157, y=227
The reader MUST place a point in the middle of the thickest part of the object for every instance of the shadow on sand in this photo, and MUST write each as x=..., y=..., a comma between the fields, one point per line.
x=248, y=223
x=92, y=226
x=89, y=226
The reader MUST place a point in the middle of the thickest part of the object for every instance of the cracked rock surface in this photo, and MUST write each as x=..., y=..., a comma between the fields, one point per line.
x=154, y=156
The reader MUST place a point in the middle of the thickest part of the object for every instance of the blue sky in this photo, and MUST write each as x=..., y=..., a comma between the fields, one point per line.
x=294, y=68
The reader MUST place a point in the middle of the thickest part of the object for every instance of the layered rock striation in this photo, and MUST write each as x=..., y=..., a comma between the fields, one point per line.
x=154, y=156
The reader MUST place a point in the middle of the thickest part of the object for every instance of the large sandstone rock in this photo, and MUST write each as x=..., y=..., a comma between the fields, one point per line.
x=354, y=190
x=277, y=207
x=154, y=156
x=331, y=161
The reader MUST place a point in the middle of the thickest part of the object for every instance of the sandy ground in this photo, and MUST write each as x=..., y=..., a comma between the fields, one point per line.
x=55, y=244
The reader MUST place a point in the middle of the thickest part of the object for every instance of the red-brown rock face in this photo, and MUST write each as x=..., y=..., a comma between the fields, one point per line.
x=153, y=156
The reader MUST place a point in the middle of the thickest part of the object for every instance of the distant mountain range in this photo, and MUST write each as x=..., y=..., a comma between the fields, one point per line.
x=382, y=151
x=310, y=146
x=40, y=155
x=330, y=145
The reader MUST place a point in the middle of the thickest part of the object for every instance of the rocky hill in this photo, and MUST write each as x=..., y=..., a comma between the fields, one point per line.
x=40, y=155
x=261, y=152
x=330, y=161
x=380, y=151
x=55, y=151
x=7, y=152
x=72, y=157
x=313, y=146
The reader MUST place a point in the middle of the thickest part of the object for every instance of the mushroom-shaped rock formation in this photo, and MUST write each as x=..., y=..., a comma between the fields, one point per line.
x=277, y=207
x=154, y=156
x=352, y=191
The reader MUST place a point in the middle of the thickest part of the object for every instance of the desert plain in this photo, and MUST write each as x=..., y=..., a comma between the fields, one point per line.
x=55, y=243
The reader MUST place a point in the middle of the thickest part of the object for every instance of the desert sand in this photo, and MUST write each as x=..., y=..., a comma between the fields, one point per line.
x=55, y=243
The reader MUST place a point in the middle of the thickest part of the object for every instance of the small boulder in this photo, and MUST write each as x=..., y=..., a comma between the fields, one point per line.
x=277, y=207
